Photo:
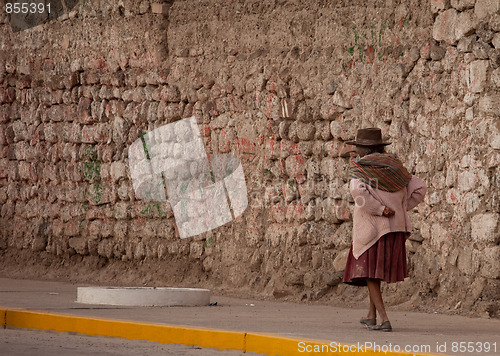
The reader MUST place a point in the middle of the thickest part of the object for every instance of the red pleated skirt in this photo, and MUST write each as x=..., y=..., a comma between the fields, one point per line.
x=385, y=260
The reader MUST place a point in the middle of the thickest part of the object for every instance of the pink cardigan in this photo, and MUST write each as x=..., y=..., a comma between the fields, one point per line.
x=368, y=222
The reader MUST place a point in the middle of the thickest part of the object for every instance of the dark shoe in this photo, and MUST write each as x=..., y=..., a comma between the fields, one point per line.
x=385, y=326
x=368, y=321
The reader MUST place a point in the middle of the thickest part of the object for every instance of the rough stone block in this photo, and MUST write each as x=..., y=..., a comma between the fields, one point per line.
x=305, y=131
x=226, y=139
x=4, y=164
x=445, y=25
x=120, y=130
x=494, y=140
x=173, y=112
x=467, y=181
x=476, y=75
x=281, y=150
x=55, y=113
x=152, y=115
x=120, y=229
x=147, y=78
x=323, y=130
x=343, y=236
x=461, y=5
x=20, y=130
x=496, y=40
x=484, y=8
x=439, y=5
x=8, y=210
x=83, y=111
x=50, y=172
x=97, y=110
x=132, y=112
x=79, y=244
x=493, y=160
x=306, y=191
x=292, y=132
x=485, y=228
x=105, y=248
x=295, y=167
x=39, y=243
x=5, y=113
x=330, y=111
x=23, y=82
x=118, y=171
x=480, y=49
x=55, y=82
x=50, y=131
x=95, y=229
x=222, y=105
x=340, y=99
x=87, y=91
x=294, y=277
x=23, y=151
x=7, y=95
x=344, y=130
x=290, y=191
x=305, y=148
x=102, y=133
x=136, y=95
x=494, y=137
x=465, y=44
x=170, y=93
x=91, y=77
x=88, y=134
x=342, y=212
x=465, y=25
x=196, y=249
x=72, y=132
x=490, y=262
x=117, y=79
x=220, y=122
x=121, y=211
x=490, y=104
x=74, y=173
x=330, y=168
x=437, y=53
x=332, y=148
x=271, y=106
x=469, y=261
x=340, y=260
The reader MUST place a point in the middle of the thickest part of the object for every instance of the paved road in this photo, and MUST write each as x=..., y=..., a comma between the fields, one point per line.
x=44, y=343
x=411, y=329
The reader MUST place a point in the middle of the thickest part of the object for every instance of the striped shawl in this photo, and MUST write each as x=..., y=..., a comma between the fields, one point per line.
x=380, y=170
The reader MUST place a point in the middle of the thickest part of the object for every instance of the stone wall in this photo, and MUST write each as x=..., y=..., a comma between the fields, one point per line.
x=281, y=85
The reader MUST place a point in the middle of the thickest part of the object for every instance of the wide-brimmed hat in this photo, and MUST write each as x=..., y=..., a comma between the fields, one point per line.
x=371, y=136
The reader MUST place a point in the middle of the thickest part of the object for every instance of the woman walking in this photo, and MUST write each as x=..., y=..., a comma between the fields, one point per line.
x=383, y=192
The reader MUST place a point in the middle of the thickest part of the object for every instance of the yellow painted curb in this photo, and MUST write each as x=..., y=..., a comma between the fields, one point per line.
x=3, y=314
x=269, y=344
x=278, y=345
x=125, y=329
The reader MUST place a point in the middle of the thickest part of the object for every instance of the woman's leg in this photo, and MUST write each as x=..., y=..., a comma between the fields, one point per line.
x=372, y=312
x=376, y=297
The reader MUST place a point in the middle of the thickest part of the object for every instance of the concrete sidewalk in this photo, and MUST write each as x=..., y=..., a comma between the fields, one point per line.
x=268, y=325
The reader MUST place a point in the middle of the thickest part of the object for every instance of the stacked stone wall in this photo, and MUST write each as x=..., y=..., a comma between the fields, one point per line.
x=282, y=85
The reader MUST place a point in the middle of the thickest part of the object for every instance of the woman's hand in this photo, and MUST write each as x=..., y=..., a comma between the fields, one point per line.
x=388, y=212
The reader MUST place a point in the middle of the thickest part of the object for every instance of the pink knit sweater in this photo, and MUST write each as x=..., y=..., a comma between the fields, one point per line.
x=369, y=224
